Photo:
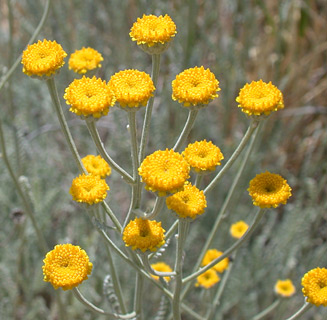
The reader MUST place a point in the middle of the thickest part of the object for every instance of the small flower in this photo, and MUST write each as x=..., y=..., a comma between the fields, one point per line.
x=84, y=60
x=153, y=33
x=195, y=87
x=203, y=156
x=259, y=98
x=66, y=266
x=164, y=171
x=314, y=285
x=212, y=254
x=88, y=189
x=207, y=279
x=188, y=203
x=132, y=88
x=161, y=267
x=144, y=235
x=96, y=165
x=89, y=97
x=285, y=288
x=238, y=229
x=269, y=190
x=43, y=59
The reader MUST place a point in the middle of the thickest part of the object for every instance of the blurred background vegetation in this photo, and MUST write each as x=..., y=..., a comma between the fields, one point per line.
x=239, y=40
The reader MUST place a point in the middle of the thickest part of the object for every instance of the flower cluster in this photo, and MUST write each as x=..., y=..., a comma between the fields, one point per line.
x=84, y=60
x=96, y=165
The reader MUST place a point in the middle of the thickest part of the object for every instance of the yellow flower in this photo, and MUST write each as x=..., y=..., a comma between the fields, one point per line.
x=207, y=279
x=132, y=88
x=212, y=254
x=66, y=266
x=260, y=98
x=161, y=267
x=164, y=171
x=144, y=235
x=269, y=190
x=88, y=189
x=203, y=156
x=195, y=87
x=153, y=33
x=188, y=203
x=43, y=59
x=314, y=285
x=285, y=288
x=238, y=229
x=81, y=61
x=89, y=97
x=96, y=165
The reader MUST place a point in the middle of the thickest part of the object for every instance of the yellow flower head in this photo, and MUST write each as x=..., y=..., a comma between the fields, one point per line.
x=260, y=98
x=207, y=279
x=203, y=156
x=188, y=203
x=314, y=285
x=164, y=171
x=269, y=190
x=153, y=33
x=66, y=266
x=88, y=189
x=144, y=235
x=212, y=254
x=285, y=288
x=195, y=87
x=161, y=267
x=96, y=165
x=89, y=97
x=84, y=60
x=238, y=229
x=43, y=59
x=132, y=88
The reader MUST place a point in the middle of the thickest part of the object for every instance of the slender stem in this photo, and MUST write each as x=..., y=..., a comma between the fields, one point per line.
x=112, y=216
x=90, y=122
x=138, y=296
x=186, y=130
x=248, y=134
x=198, y=180
x=306, y=306
x=63, y=123
x=156, y=208
x=33, y=37
x=266, y=311
x=230, y=250
x=147, y=266
x=148, y=112
x=95, y=309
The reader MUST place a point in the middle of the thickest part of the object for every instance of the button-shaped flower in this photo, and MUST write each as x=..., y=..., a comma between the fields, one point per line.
x=238, y=229
x=211, y=255
x=207, y=279
x=96, y=165
x=285, y=288
x=84, y=60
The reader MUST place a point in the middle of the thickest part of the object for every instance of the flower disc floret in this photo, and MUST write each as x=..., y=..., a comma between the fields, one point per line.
x=161, y=267
x=164, y=171
x=144, y=235
x=66, y=266
x=43, y=59
x=188, y=203
x=314, y=285
x=238, y=229
x=285, y=288
x=195, y=87
x=89, y=97
x=260, y=98
x=132, y=88
x=89, y=189
x=211, y=255
x=96, y=165
x=203, y=156
x=269, y=190
x=84, y=60
x=207, y=279
x=151, y=30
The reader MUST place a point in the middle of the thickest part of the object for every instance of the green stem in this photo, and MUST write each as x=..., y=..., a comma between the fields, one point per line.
x=186, y=130
x=198, y=180
x=148, y=268
x=90, y=122
x=148, y=112
x=112, y=216
x=306, y=306
x=63, y=123
x=156, y=208
x=266, y=311
x=138, y=296
x=33, y=37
